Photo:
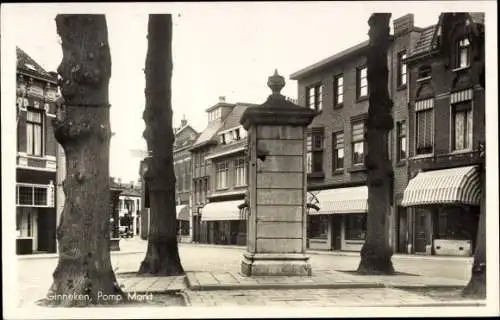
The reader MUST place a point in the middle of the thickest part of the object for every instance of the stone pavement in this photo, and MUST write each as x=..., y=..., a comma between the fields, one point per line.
x=151, y=284
x=319, y=280
x=35, y=277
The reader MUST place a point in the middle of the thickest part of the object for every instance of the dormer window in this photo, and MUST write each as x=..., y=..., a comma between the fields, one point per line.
x=463, y=57
x=222, y=138
x=424, y=72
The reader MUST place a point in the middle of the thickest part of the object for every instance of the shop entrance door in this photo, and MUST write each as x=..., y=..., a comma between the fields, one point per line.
x=421, y=217
x=336, y=233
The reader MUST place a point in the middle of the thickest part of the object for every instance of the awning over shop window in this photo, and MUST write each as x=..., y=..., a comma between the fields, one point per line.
x=447, y=186
x=342, y=200
x=182, y=212
x=224, y=210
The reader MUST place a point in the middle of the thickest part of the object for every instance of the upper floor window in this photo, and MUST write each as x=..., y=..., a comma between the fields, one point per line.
x=424, y=126
x=402, y=74
x=240, y=170
x=462, y=126
x=221, y=170
x=214, y=114
x=338, y=87
x=401, y=140
x=338, y=151
x=463, y=57
x=358, y=142
x=34, y=130
x=315, y=151
x=424, y=72
x=315, y=97
x=361, y=82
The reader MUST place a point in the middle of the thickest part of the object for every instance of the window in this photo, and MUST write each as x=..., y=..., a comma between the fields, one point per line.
x=240, y=172
x=355, y=226
x=32, y=195
x=358, y=143
x=221, y=170
x=315, y=97
x=402, y=77
x=318, y=227
x=361, y=82
x=401, y=143
x=338, y=151
x=315, y=152
x=462, y=126
x=338, y=87
x=237, y=134
x=34, y=132
x=222, y=138
x=424, y=72
x=463, y=53
x=424, y=118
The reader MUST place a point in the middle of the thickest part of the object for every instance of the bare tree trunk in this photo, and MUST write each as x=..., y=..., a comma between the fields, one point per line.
x=477, y=284
x=82, y=127
x=376, y=253
x=162, y=256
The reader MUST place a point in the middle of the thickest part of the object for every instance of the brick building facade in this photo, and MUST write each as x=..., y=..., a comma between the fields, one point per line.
x=36, y=218
x=219, y=176
x=446, y=130
x=337, y=88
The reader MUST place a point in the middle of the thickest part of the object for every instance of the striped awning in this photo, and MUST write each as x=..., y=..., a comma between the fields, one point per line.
x=460, y=96
x=447, y=186
x=424, y=104
x=182, y=212
x=224, y=210
x=342, y=200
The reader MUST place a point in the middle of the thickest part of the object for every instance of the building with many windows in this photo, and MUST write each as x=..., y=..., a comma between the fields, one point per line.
x=337, y=88
x=446, y=123
x=36, y=218
x=185, y=136
x=219, y=176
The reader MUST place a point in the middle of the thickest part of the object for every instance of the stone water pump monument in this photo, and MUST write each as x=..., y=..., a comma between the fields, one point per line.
x=276, y=225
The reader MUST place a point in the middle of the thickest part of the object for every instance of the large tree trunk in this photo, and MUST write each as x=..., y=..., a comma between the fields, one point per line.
x=477, y=284
x=162, y=256
x=376, y=253
x=82, y=127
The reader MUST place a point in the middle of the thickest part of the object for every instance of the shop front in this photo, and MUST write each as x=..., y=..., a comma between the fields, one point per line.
x=445, y=209
x=183, y=218
x=340, y=222
x=224, y=223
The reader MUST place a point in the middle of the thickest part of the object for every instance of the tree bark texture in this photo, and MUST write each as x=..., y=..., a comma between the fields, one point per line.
x=82, y=127
x=477, y=283
x=162, y=256
x=376, y=253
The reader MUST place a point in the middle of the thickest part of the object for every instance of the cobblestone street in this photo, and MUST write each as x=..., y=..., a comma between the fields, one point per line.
x=35, y=276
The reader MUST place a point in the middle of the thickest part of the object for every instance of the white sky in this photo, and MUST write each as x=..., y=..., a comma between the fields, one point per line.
x=220, y=49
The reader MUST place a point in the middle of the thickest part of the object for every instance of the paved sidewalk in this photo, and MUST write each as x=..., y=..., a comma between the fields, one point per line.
x=381, y=297
x=340, y=253
x=151, y=284
x=320, y=280
x=127, y=246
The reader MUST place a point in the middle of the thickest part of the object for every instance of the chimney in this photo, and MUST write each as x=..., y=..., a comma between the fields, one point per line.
x=222, y=99
x=403, y=24
x=183, y=121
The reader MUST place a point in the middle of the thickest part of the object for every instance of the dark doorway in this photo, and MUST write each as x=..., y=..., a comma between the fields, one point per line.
x=401, y=230
x=421, y=217
x=46, y=230
x=336, y=231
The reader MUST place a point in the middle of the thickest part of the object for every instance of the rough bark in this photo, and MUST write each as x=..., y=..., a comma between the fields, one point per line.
x=477, y=284
x=162, y=256
x=82, y=127
x=376, y=253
